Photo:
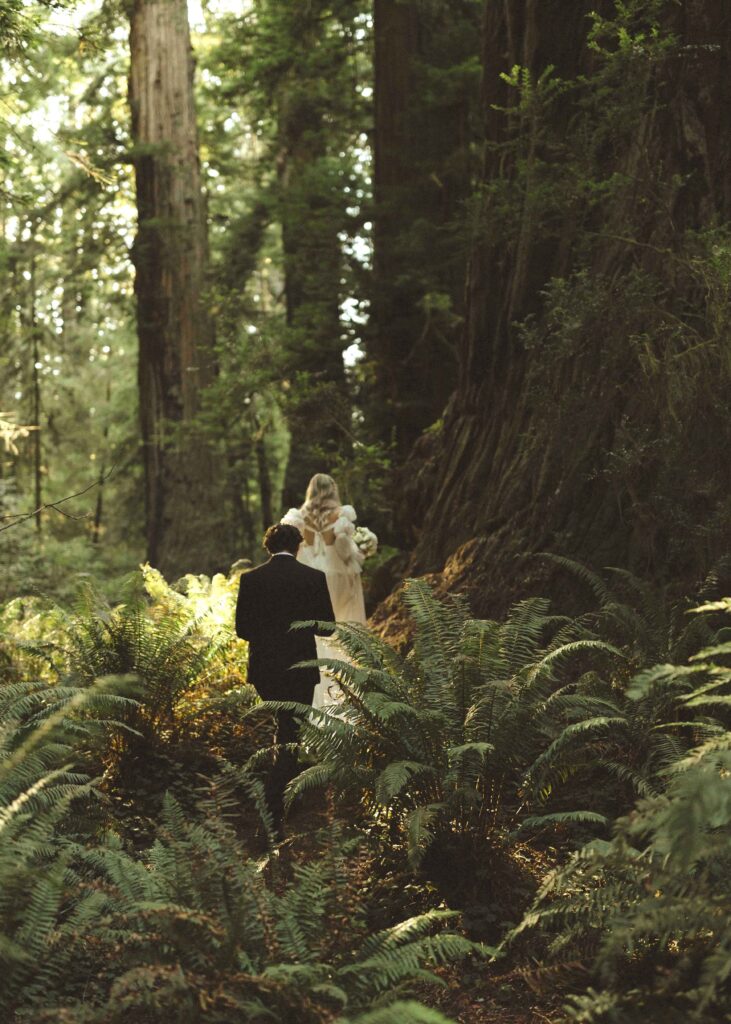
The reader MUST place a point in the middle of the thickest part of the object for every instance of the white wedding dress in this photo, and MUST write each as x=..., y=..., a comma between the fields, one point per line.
x=330, y=547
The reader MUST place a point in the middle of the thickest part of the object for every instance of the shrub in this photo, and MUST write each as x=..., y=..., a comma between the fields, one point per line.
x=437, y=743
x=649, y=913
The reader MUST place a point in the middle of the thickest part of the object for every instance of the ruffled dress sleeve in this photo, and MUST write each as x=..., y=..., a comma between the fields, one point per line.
x=345, y=523
x=294, y=518
x=344, y=528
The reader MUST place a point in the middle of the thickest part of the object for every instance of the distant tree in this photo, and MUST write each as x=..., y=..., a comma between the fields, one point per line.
x=426, y=73
x=170, y=257
x=305, y=70
x=68, y=353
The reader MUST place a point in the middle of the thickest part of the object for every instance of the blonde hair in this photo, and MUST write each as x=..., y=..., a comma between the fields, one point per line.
x=321, y=499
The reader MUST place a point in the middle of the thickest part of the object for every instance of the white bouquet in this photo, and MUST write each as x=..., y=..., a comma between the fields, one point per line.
x=365, y=540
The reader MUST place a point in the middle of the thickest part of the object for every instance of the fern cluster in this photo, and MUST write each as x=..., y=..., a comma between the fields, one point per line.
x=638, y=616
x=195, y=931
x=650, y=912
x=441, y=741
x=623, y=730
x=199, y=931
x=192, y=928
x=481, y=740
x=166, y=653
x=174, y=656
x=40, y=799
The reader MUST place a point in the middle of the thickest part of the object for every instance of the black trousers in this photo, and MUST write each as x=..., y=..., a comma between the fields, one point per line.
x=284, y=768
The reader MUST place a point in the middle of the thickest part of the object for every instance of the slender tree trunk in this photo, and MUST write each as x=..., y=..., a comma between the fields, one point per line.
x=31, y=334
x=96, y=530
x=316, y=112
x=240, y=533
x=310, y=205
x=247, y=517
x=265, y=484
x=170, y=255
x=579, y=432
x=36, y=385
x=394, y=315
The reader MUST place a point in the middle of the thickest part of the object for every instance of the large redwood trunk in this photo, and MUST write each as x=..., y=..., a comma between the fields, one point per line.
x=593, y=367
x=175, y=358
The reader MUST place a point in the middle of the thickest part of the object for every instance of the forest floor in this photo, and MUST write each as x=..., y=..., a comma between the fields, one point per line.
x=476, y=992
x=472, y=993
x=489, y=996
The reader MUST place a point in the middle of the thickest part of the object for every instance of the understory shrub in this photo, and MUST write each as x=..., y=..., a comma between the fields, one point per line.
x=438, y=743
x=649, y=912
x=195, y=931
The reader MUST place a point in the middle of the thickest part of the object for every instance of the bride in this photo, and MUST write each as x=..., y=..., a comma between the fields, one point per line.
x=328, y=528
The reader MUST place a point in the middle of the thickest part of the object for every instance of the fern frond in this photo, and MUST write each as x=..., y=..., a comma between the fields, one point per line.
x=595, y=583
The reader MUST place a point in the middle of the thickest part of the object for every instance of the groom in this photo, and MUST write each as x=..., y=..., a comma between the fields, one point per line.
x=271, y=598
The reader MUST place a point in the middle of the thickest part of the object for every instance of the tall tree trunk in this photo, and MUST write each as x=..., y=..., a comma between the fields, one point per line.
x=170, y=254
x=36, y=379
x=31, y=335
x=265, y=481
x=310, y=209
x=421, y=177
x=593, y=373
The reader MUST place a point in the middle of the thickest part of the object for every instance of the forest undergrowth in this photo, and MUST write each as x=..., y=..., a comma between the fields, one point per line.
x=509, y=821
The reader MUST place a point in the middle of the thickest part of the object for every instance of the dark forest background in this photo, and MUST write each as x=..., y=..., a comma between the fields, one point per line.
x=472, y=259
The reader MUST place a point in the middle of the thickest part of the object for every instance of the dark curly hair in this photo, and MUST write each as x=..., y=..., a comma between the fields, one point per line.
x=282, y=537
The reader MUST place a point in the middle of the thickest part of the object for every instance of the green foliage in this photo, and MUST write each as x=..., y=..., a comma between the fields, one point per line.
x=41, y=798
x=650, y=910
x=172, y=664
x=402, y=1013
x=294, y=75
x=623, y=730
x=166, y=654
x=440, y=740
x=202, y=931
x=479, y=741
x=645, y=619
x=582, y=225
x=66, y=310
x=192, y=929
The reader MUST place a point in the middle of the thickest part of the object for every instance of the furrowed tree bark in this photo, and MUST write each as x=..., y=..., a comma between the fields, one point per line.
x=578, y=431
x=170, y=256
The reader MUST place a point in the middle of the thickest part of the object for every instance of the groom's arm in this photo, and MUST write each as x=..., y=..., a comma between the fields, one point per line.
x=245, y=609
x=324, y=605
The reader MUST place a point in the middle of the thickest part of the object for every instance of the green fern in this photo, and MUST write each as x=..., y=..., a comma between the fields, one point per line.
x=201, y=913
x=400, y=1013
x=638, y=616
x=441, y=737
x=650, y=912
x=164, y=650
x=633, y=734
x=40, y=796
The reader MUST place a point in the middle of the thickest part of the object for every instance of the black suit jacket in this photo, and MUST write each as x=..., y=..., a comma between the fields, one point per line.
x=271, y=598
